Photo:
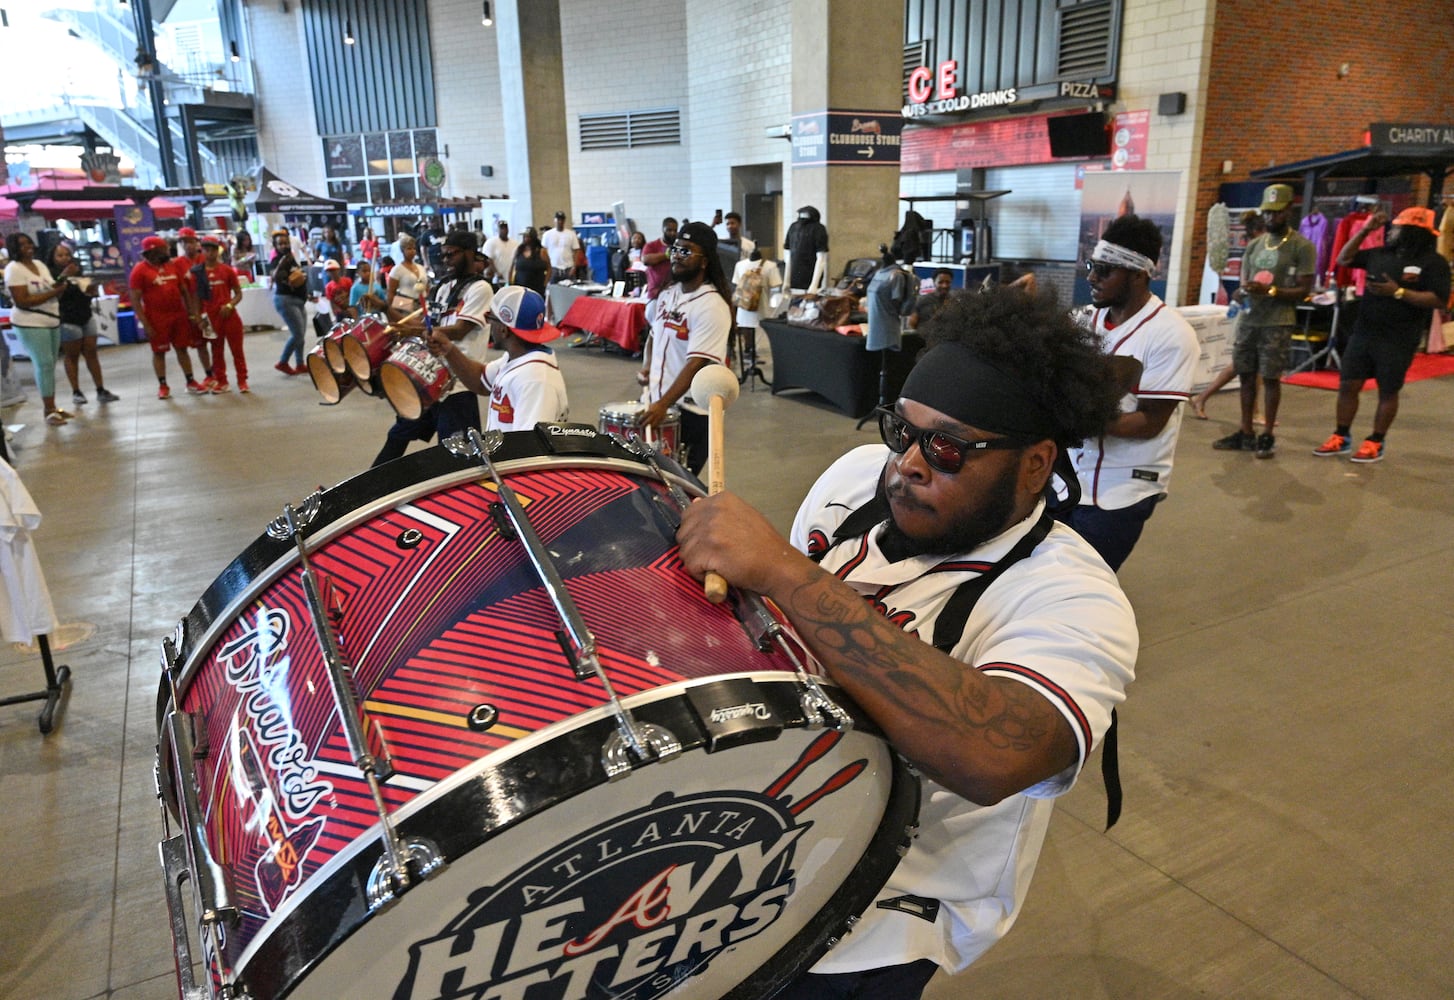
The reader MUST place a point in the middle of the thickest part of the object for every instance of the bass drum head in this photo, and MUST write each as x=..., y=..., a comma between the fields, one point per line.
x=708, y=876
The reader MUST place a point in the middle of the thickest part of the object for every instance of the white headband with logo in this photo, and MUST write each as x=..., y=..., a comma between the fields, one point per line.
x=1114, y=253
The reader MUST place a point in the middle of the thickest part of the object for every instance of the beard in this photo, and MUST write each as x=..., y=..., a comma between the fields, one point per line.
x=971, y=527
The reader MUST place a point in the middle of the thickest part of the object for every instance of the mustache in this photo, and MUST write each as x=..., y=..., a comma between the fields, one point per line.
x=897, y=491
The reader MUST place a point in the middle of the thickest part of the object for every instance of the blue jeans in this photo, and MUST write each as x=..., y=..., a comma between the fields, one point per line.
x=456, y=412
x=1112, y=533
x=43, y=346
x=290, y=307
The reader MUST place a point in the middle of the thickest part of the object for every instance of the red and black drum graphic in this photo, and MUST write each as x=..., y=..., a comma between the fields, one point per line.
x=721, y=871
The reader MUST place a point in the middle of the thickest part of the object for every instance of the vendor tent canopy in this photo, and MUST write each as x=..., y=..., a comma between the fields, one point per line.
x=276, y=195
x=59, y=195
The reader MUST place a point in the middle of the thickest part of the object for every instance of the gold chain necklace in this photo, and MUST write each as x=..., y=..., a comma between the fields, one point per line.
x=1269, y=245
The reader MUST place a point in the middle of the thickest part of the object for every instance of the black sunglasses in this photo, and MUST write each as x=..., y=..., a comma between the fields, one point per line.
x=1099, y=268
x=944, y=452
x=683, y=251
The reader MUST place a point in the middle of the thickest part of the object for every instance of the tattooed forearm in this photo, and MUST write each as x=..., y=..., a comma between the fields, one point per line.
x=946, y=716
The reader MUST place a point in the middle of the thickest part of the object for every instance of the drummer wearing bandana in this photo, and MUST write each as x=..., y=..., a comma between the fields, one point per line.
x=689, y=330
x=459, y=308
x=988, y=641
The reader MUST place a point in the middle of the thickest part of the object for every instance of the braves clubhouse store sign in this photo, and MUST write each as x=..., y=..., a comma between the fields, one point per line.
x=847, y=138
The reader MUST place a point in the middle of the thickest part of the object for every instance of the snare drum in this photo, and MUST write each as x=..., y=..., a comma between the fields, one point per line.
x=624, y=419
x=765, y=833
x=331, y=385
x=366, y=345
x=412, y=379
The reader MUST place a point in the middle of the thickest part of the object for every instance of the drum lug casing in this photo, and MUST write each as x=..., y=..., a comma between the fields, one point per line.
x=422, y=859
x=616, y=755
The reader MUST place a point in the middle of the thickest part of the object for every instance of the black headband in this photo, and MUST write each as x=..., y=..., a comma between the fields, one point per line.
x=954, y=380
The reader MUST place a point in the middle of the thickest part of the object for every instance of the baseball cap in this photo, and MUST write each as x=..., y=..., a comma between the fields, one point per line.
x=152, y=243
x=523, y=311
x=701, y=234
x=560, y=215
x=332, y=265
x=1276, y=197
x=1421, y=217
x=187, y=233
x=211, y=241
x=464, y=239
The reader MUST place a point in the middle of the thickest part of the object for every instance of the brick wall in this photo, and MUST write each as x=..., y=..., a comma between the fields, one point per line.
x=1276, y=96
x=467, y=99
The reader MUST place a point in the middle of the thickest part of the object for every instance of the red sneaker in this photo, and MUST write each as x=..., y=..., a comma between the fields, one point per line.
x=164, y=391
x=284, y=367
x=195, y=388
x=219, y=386
x=242, y=385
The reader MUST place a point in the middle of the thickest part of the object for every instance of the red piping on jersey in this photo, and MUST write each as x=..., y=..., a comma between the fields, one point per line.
x=852, y=564
x=1101, y=440
x=1053, y=688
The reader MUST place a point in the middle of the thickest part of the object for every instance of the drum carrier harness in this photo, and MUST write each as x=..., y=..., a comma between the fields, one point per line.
x=949, y=626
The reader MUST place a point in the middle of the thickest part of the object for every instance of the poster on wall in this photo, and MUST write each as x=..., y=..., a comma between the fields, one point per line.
x=1151, y=194
x=134, y=223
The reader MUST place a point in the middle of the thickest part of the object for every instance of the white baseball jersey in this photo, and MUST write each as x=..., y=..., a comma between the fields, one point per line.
x=686, y=325
x=525, y=391
x=473, y=307
x=1116, y=472
x=1057, y=621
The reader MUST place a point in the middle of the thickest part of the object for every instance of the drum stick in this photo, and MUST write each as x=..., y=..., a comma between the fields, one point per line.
x=717, y=387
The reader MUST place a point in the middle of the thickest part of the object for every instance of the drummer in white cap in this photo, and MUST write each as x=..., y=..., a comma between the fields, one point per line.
x=525, y=385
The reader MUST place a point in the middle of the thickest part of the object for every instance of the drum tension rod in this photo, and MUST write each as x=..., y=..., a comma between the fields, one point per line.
x=644, y=740
x=390, y=875
x=761, y=625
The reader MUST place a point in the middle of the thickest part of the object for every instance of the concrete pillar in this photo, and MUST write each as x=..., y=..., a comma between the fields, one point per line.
x=848, y=56
x=532, y=94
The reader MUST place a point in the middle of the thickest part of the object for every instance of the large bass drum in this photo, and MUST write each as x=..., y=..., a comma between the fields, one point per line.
x=723, y=870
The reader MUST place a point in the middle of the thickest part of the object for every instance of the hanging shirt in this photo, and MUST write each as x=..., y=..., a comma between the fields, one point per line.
x=25, y=606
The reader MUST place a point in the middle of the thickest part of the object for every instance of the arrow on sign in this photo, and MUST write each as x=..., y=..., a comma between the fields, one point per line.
x=866, y=151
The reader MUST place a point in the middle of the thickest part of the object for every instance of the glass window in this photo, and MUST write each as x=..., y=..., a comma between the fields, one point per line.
x=406, y=188
x=426, y=142
x=401, y=152
x=379, y=191
x=376, y=151
x=354, y=190
x=343, y=155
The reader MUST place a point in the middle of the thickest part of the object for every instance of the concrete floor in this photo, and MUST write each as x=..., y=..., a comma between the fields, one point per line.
x=1284, y=750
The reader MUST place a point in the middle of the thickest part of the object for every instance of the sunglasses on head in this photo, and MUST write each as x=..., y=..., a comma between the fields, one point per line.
x=1099, y=268
x=944, y=452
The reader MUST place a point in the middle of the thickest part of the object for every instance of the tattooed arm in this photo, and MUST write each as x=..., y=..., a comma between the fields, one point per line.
x=983, y=737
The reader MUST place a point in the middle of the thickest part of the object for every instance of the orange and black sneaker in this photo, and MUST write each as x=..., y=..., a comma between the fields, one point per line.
x=1336, y=444
x=1369, y=451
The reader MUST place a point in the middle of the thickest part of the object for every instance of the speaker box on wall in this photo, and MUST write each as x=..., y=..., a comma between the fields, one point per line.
x=1171, y=104
x=1079, y=135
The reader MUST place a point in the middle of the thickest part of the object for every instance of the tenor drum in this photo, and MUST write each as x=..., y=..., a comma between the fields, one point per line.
x=333, y=345
x=623, y=419
x=720, y=872
x=412, y=379
x=331, y=384
x=365, y=346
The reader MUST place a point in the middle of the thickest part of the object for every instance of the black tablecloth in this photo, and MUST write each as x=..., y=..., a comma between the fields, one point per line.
x=835, y=366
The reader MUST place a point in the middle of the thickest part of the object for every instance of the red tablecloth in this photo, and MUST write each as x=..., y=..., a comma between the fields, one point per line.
x=617, y=320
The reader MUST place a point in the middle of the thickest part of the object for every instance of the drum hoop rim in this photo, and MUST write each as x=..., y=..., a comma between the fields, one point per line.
x=904, y=782
x=353, y=518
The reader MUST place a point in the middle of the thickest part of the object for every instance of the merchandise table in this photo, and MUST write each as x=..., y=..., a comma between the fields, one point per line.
x=559, y=297
x=257, y=308
x=618, y=320
x=835, y=366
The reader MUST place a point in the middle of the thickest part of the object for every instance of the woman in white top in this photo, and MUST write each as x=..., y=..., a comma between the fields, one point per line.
x=36, y=316
x=408, y=281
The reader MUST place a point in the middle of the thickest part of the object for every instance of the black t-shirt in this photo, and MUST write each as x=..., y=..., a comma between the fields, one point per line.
x=1384, y=316
x=806, y=239
x=532, y=271
x=74, y=306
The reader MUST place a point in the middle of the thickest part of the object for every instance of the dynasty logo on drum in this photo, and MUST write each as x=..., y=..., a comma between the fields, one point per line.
x=280, y=869
x=633, y=907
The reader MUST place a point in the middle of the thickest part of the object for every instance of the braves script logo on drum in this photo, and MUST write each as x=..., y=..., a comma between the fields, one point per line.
x=257, y=664
x=633, y=907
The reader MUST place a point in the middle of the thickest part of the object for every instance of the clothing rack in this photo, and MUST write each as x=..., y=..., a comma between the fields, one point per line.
x=56, y=679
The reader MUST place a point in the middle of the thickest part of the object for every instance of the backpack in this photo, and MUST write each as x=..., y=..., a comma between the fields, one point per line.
x=748, y=295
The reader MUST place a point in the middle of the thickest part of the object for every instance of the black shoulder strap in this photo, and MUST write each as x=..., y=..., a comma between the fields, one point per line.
x=949, y=626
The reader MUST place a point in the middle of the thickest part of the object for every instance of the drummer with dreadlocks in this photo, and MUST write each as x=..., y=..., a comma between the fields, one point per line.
x=690, y=330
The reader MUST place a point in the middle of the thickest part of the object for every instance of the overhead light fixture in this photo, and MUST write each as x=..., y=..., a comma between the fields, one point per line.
x=348, y=32
x=236, y=56
x=487, y=19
